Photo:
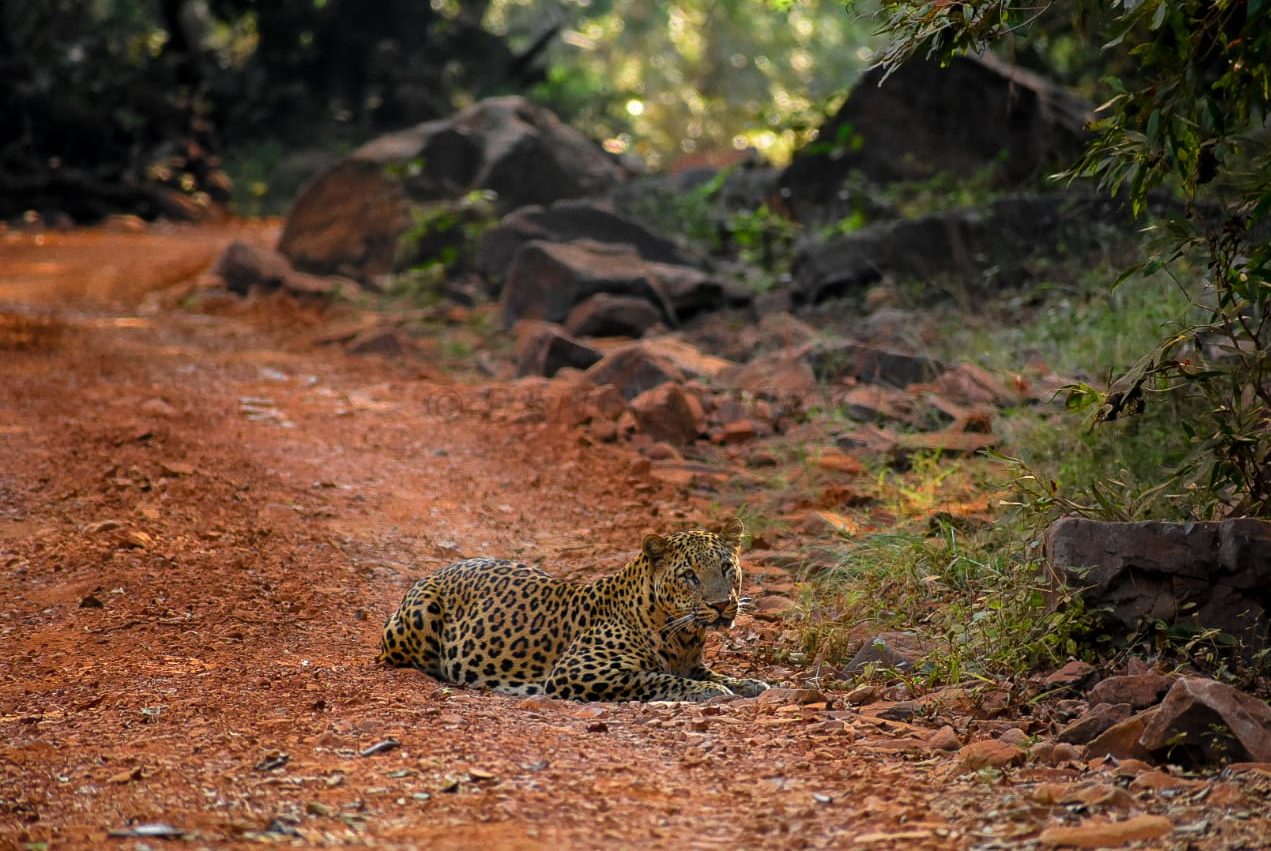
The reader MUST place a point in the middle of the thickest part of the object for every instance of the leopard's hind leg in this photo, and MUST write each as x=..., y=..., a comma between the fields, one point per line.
x=412, y=635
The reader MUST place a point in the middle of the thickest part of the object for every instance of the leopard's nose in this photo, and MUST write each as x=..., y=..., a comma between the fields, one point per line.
x=721, y=606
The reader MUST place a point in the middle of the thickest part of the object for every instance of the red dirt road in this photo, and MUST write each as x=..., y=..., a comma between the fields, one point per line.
x=204, y=521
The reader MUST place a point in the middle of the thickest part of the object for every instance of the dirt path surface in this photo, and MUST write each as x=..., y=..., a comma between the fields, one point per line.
x=204, y=521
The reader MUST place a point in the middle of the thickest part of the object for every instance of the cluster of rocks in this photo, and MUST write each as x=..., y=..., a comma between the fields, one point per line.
x=570, y=228
x=560, y=253
x=1139, y=714
x=599, y=273
x=894, y=403
x=1145, y=715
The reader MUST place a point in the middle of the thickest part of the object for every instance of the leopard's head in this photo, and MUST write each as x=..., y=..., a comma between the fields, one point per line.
x=697, y=576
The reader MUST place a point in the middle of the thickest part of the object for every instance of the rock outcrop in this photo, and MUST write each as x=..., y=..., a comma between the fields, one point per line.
x=351, y=218
x=1213, y=574
x=924, y=119
x=1002, y=237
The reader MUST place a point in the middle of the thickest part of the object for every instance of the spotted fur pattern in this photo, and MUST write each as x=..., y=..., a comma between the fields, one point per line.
x=635, y=635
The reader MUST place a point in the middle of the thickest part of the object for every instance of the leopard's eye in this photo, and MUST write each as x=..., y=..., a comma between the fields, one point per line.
x=692, y=580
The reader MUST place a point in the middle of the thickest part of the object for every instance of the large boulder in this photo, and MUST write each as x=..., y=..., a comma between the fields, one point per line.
x=923, y=119
x=1213, y=574
x=605, y=315
x=871, y=364
x=543, y=349
x=351, y=218
x=692, y=291
x=665, y=413
x=547, y=279
x=570, y=221
x=1002, y=237
x=634, y=369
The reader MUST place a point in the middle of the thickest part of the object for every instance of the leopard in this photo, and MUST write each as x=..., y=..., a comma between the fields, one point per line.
x=634, y=635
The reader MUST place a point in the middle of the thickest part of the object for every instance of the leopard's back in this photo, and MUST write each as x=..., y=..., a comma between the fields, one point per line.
x=488, y=623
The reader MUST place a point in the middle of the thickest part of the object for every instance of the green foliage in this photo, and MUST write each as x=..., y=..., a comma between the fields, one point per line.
x=979, y=599
x=1135, y=468
x=444, y=234
x=693, y=213
x=764, y=239
x=1187, y=115
x=665, y=80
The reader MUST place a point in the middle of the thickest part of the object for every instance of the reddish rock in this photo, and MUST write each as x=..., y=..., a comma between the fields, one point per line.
x=971, y=385
x=544, y=349
x=840, y=463
x=1013, y=736
x=244, y=267
x=1101, y=833
x=888, y=650
x=790, y=696
x=784, y=332
x=386, y=342
x=689, y=360
x=607, y=402
x=1204, y=722
x=944, y=739
x=777, y=376
x=1042, y=752
x=877, y=402
x=570, y=221
x=664, y=413
x=634, y=369
x=661, y=452
x=1093, y=722
x=989, y=754
x=773, y=607
x=739, y=431
x=1121, y=740
x=1158, y=780
x=1066, y=752
x=948, y=442
x=691, y=291
x=605, y=315
x=1138, y=690
x=1072, y=674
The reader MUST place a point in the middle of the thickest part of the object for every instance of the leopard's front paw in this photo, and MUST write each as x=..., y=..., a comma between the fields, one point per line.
x=709, y=691
x=747, y=688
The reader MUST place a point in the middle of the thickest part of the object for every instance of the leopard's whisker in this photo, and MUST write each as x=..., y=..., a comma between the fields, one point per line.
x=677, y=623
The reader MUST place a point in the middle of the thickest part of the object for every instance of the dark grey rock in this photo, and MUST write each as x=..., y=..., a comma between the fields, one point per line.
x=547, y=279
x=925, y=118
x=1205, y=722
x=605, y=315
x=570, y=221
x=871, y=364
x=544, y=349
x=1213, y=574
x=1001, y=238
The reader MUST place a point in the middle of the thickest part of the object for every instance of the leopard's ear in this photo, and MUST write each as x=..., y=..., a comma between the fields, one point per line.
x=731, y=533
x=654, y=547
